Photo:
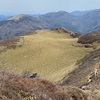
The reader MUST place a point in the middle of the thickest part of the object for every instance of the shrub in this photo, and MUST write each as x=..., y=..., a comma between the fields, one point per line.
x=10, y=43
x=17, y=87
x=89, y=38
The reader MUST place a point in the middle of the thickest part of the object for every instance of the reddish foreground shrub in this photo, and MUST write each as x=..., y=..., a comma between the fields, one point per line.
x=16, y=87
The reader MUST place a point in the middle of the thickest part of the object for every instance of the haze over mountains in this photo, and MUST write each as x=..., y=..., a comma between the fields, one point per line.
x=85, y=22
x=81, y=13
x=3, y=17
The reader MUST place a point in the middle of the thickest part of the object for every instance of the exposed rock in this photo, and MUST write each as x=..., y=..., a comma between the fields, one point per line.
x=33, y=75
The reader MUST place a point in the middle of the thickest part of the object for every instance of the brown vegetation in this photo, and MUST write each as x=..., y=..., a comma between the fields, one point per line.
x=89, y=38
x=16, y=87
x=72, y=34
x=87, y=67
x=87, y=74
x=10, y=43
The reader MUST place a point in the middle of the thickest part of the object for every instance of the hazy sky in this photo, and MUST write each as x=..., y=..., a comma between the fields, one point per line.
x=45, y=6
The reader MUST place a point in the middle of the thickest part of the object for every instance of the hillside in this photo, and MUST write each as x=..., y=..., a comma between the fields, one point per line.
x=21, y=24
x=90, y=38
x=79, y=13
x=89, y=22
x=17, y=87
x=50, y=53
x=59, y=19
x=18, y=25
x=84, y=24
x=87, y=73
x=86, y=69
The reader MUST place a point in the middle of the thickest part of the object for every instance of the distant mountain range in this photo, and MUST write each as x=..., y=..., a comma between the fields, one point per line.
x=82, y=22
x=3, y=17
x=79, y=13
x=18, y=25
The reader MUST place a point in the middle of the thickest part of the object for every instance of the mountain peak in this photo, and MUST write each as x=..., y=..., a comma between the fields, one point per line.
x=62, y=12
x=18, y=17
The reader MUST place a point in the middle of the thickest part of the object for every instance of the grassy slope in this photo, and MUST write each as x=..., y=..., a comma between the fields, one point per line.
x=49, y=53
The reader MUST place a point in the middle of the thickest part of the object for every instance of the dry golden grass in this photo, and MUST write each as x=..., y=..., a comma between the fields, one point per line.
x=49, y=53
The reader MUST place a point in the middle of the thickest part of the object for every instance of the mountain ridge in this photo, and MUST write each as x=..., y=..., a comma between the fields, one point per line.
x=83, y=24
